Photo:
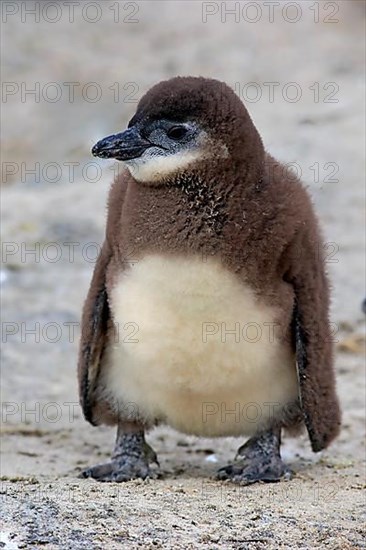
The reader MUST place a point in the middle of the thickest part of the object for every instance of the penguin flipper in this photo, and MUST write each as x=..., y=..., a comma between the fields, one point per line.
x=314, y=350
x=94, y=335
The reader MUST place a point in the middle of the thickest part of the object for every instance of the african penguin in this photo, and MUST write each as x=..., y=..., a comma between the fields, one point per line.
x=208, y=307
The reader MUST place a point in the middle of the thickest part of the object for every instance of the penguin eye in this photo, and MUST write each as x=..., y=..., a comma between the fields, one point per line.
x=177, y=132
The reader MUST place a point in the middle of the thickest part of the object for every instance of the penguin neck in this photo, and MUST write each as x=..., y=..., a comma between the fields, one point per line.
x=190, y=211
x=222, y=181
x=212, y=185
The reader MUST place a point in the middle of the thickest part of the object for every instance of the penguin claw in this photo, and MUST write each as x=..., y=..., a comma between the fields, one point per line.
x=124, y=469
x=245, y=473
x=98, y=471
x=133, y=458
x=258, y=459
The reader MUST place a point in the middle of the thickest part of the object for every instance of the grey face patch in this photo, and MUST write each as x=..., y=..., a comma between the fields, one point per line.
x=173, y=146
x=171, y=136
x=167, y=137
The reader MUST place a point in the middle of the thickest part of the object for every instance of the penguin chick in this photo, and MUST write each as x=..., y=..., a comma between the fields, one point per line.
x=208, y=307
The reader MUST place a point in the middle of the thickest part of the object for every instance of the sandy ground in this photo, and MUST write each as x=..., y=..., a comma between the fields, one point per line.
x=45, y=441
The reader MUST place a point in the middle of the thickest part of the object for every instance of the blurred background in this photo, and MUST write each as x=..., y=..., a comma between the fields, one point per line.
x=73, y=72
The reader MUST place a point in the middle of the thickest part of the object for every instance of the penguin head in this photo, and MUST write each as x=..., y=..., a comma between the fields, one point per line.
x=181, y=124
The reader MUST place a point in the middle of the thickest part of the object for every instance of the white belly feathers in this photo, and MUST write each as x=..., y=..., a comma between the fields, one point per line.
x=196, y=349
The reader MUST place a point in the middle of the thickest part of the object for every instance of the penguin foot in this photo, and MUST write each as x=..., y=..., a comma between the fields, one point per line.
x=132, y=458
x=258, y=459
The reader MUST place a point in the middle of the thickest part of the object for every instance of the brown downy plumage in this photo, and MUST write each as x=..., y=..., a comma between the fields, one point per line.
x=234, y=204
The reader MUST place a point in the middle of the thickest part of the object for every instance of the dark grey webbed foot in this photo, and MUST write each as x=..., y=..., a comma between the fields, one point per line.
x=258, y=459
x=132, y=458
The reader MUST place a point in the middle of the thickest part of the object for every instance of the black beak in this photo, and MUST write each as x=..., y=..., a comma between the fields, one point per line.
x=124, y=146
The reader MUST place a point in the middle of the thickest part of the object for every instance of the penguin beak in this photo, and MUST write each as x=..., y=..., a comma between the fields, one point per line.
x=124, y=146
